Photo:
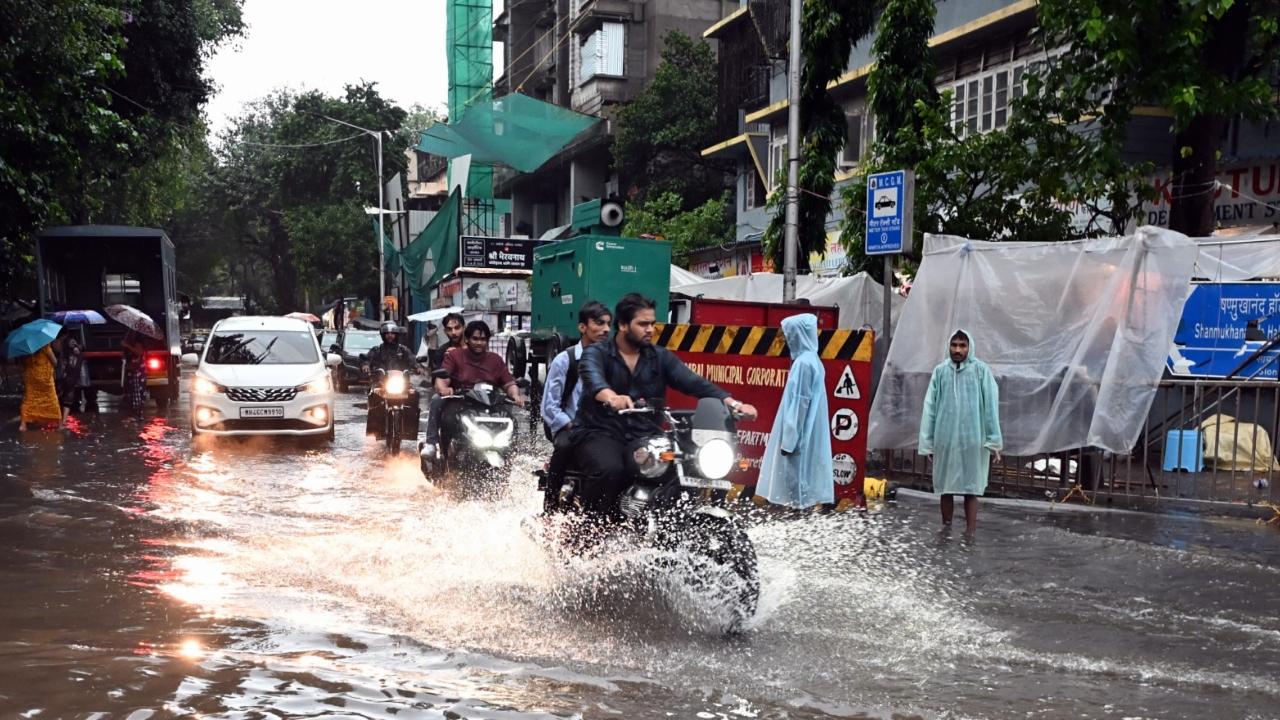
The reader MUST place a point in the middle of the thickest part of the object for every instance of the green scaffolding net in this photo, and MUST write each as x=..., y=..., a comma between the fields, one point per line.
x=514, y=130
x=431, y=255
x=469, y=36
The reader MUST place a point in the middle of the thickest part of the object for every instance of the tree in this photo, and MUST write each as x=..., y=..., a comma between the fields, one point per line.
x=1207, y=61
x=660, y=134
x=294, y=184
x=829, y=29
x=707, y=225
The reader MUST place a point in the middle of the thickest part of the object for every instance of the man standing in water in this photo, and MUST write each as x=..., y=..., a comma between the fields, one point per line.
x=960, y=428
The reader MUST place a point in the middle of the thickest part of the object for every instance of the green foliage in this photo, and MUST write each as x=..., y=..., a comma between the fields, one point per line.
x=707, y=225
x=829, y=30
x=296, y=206
x=660, y=135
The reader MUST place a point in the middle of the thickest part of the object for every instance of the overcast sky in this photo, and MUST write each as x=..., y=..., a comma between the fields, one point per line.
x=324, y=44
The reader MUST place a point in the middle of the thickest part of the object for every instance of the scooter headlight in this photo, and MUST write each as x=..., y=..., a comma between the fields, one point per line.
x=715, y=459
x=396, y=385
x=480, y=438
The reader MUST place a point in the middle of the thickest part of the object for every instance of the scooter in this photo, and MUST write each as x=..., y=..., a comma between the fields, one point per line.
x=477, y=431
x=674, y=474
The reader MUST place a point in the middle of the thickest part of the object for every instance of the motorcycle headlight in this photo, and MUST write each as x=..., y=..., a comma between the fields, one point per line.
x=205, y=386
x=502, y=438
x=478, y=436
x=396, y=385
x=653, y=458
x=715, y=459
x=318, y=385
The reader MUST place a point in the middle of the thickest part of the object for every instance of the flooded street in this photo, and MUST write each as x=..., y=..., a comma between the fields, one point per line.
x=244, y=580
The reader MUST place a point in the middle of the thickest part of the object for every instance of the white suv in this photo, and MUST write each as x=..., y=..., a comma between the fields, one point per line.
x=261, y=376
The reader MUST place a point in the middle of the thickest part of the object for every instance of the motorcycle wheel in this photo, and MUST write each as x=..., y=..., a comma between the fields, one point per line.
x=392, y=433
x=728, y=546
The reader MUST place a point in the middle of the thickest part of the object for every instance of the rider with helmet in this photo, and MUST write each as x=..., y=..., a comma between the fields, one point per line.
x=390, y=355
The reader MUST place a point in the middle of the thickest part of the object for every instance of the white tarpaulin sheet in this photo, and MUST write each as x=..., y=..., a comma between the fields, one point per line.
x=1238, y=259
x=680, y=276
x=1076, y=333
x=859, y=297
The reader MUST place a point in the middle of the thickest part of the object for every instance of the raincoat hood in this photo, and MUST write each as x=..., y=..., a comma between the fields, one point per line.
x=972, y=354
x=801, y=332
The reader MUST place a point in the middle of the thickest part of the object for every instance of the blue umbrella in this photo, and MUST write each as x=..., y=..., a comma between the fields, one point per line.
x=31, y=337
x=77, y=317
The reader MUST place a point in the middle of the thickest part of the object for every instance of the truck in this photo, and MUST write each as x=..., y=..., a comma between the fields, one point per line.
x=90, y=267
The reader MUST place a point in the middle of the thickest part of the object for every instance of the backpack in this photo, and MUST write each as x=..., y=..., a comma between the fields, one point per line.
x=566, y=396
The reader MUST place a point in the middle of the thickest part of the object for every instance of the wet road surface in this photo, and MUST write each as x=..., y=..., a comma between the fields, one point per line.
x=148, y=578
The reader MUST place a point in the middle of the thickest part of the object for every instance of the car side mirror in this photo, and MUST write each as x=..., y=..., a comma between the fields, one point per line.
x=332, y=360
x=423, y=359
x=190, y=360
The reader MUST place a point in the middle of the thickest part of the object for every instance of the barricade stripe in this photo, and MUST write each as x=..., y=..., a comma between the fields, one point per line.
x=739, y=339
x=766, y=341
x=696, y=340
x=778, y=348
x=677, y=335
x=850, y=345
x=717, y=337
x=664, y=335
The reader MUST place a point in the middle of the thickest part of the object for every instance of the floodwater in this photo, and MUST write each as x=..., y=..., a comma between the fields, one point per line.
x=148, y=579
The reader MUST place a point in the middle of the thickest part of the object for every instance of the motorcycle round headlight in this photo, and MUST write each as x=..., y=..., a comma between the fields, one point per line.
x=396, y=384
x=715, y=459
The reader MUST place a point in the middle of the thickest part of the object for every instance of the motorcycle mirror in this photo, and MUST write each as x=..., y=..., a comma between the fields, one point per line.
x=440, y=374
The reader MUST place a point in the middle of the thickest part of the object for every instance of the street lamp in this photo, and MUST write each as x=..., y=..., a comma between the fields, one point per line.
x=382, y=261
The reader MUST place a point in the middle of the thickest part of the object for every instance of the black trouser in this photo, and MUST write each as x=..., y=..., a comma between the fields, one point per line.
x=442, y=414
x=600, y=460
x=561, y=454
x=375, y=422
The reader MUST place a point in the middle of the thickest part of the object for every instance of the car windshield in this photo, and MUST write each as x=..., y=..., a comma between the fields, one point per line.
x=359, y=342
x=262, y=347
x=328, y=340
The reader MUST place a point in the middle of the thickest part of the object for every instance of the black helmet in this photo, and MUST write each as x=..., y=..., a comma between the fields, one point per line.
x=387, y=328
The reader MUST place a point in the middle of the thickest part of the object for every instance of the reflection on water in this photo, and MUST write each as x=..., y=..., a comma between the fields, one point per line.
x=263, y=577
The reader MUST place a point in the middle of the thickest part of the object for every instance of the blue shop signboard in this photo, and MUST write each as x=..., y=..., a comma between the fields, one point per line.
x=1214, y=338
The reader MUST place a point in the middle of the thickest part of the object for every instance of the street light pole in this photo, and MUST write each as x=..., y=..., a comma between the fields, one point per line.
x=791, y=235
x=382, y=261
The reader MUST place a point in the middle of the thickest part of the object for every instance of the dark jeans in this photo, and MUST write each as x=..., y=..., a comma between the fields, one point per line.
x=375, y=421
x=442, y=413
x=600, y=460
x=561, y=455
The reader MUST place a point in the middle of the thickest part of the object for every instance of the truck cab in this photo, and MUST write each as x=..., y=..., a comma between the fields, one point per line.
x=90, y=267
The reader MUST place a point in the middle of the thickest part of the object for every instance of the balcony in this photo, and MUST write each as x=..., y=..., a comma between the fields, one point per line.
x=600, y=91
x=593, y=12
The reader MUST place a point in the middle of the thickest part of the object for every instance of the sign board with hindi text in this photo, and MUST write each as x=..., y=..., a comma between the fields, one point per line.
x=889, y=207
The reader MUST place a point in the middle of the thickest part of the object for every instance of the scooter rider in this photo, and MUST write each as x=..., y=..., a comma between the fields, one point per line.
x=615, y=375
x=563, y=391
x=465, y=369
x=390, y=355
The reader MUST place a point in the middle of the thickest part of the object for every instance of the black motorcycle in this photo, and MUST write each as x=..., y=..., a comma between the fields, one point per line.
x=675, y=474
x=477, y=431
x=393, y=386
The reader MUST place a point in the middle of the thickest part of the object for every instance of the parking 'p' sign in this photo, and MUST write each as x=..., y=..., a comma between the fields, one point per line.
x=889, y=201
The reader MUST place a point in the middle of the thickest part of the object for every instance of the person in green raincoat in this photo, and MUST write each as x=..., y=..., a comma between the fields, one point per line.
x=960, y=428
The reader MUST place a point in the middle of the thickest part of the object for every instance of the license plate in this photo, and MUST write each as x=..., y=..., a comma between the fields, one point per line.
x=705, y=483
x=262, y=412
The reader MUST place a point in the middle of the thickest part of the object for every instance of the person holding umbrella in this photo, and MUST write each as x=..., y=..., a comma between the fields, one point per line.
x=40, y=394
x=135, y=373
x=73, y=374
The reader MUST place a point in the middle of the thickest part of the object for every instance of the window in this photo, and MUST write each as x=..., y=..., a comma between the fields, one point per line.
x=755, y=195
x=852, y=152
x=262, y=347
x=601, y=52
x=981, y=103
x=777, y=160
x=121, y=289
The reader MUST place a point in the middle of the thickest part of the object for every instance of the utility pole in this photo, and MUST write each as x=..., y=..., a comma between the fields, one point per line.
x=791, y=234
x=382, y=261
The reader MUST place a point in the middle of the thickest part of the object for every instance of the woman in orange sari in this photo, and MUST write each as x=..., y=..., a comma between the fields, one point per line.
x=40, y=394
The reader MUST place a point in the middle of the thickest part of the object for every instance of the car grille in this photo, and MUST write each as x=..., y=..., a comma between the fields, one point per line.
x=263, y=424
x=261, y=394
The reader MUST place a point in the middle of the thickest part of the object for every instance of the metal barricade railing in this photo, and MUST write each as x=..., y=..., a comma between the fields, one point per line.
x=1159, y=468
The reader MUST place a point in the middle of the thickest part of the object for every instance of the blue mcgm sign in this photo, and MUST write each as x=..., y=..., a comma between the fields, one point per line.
x=889, y=212
x=1224, y=325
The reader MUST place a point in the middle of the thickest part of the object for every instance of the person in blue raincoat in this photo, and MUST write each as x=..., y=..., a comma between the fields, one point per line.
x=797, y=468
x=960, y=428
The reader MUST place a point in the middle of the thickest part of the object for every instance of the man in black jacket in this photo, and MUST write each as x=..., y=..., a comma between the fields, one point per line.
x=614, y=376
x=390, y=355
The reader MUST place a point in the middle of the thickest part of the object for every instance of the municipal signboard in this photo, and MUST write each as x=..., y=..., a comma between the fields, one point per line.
x=1214, y=339
x=497, y=253
x=889, y=201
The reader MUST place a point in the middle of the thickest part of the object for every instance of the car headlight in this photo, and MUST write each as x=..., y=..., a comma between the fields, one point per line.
x=320, y=384
x=396, y=385
x=715, y=459
x=478, y=436
x=205, y=386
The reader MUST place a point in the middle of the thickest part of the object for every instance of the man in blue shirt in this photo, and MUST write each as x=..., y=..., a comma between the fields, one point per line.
x=563, y=392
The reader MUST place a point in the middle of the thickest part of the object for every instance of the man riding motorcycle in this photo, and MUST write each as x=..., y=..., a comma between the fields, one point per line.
x=465, y=369
x=615, y=376
x=390, y=355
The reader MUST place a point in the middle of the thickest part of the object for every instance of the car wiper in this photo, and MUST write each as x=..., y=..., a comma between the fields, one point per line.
x=265, y=351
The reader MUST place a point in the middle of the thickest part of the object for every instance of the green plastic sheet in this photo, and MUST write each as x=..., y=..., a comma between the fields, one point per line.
x=514, y=130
